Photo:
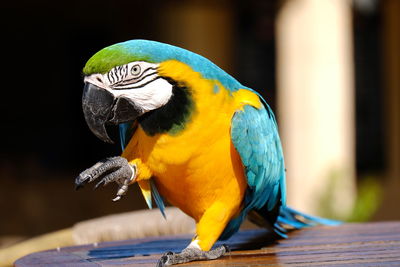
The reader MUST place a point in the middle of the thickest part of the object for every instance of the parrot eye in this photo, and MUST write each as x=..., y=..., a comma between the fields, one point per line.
x=135, y=70
x=132, y=75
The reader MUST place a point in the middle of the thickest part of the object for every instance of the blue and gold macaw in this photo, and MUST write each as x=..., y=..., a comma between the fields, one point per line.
x=192, y=134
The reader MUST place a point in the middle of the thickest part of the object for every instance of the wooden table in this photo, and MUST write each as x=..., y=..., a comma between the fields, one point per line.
x=368, y=244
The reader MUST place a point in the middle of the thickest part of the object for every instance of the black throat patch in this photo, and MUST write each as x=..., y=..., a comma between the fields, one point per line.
x=172, y=117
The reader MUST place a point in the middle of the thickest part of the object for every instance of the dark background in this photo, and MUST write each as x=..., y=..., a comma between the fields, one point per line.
x=45, y=142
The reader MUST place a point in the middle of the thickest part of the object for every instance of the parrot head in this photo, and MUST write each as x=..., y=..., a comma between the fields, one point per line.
x=122, y=83
x=129, y=81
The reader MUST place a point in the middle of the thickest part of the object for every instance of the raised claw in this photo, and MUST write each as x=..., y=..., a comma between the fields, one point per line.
x=87, y=175
x=116, y=169
x=123, y=188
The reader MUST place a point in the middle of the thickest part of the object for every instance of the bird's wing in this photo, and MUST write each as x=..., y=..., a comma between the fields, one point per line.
x=254, y=134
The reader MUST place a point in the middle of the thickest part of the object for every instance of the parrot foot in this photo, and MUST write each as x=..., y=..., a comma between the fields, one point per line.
x=191, y=254
x=115, y=169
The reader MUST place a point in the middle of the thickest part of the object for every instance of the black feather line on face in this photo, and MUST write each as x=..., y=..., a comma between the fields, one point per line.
x=133, y=81
x=137, y=79
x=173, y=116
x=118, y=86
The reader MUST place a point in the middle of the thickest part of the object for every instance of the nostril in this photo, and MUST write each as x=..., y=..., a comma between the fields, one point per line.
x=99, y=79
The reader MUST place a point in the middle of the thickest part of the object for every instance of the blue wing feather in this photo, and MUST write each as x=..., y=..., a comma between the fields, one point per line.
x=157, y=198
x=255, y=136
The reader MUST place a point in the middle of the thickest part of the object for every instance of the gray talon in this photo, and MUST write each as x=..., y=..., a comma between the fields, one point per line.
x=192, y=254
x=164, y=261
x=116, y=169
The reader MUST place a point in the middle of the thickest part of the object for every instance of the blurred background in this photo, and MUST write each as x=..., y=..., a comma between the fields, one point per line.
x=330, y=69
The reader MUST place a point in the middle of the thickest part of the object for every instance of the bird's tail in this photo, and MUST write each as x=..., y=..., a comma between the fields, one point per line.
x=290, y=219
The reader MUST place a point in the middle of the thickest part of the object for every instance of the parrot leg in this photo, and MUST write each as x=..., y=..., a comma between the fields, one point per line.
x=191, y=254
x=208, y=229
x=115, y=169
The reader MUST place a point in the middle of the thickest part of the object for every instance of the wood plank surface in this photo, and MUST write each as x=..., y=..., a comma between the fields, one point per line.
x=369, y=244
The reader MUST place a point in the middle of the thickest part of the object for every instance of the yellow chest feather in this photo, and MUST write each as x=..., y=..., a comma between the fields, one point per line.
x=193, y=167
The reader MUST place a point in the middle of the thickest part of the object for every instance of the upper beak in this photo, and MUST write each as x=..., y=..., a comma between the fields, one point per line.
x=101, y=107
x=97, y=104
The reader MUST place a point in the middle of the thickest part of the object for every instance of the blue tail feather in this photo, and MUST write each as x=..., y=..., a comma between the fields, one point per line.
x=280, y=230
x=289, y=219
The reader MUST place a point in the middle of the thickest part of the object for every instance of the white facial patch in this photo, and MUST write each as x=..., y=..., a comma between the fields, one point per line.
x=138, y=81
x=151, y=96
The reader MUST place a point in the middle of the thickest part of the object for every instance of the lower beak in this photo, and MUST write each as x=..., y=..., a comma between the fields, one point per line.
x=97, y=105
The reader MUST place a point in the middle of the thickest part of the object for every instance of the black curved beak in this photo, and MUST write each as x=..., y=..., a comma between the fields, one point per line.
x=97, y=104
x=100, y=107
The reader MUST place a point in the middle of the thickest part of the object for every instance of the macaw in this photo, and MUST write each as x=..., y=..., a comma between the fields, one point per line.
x=191, y=135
